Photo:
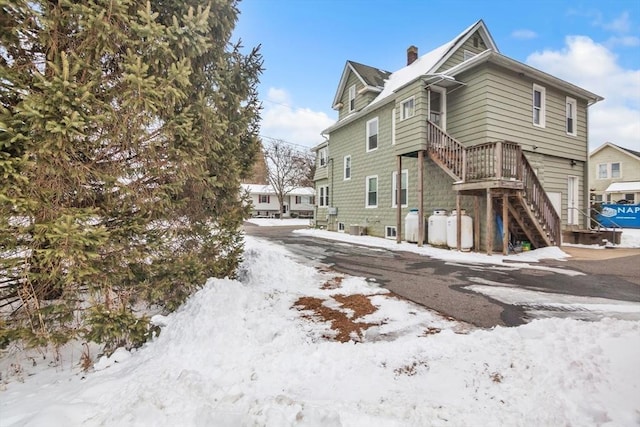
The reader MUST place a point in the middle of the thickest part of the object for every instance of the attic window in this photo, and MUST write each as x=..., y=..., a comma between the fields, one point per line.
x=475, y=42
x=352, y=98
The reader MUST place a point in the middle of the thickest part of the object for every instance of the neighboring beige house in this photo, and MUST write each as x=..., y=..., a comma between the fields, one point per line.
x=614, y=174
x=299, y=202
x=462, y=126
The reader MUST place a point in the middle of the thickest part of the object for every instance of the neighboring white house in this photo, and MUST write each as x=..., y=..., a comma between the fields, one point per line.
x=299, y=202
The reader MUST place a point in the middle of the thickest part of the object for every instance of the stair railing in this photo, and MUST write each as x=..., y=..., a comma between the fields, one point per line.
x=494, y=160
x=539, y=201
x=446, y=150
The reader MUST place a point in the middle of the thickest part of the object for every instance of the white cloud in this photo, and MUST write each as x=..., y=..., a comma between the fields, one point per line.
x=620, y=24
x=594, y=67
x=524, y=34
x=625, y=41
x=301, y=126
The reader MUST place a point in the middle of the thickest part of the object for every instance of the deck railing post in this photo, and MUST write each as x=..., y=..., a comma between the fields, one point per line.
x=499, y=159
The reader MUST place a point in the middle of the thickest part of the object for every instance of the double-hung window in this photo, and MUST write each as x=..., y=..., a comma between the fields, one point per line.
x=263, y=198
x=404, y=183
x=603, y=171
x=571, y=116
x=323, y=195
x=347, y=168
x=408, y=108
x=609, y=170
x=372, y=134
x=372, y=192
x=539, y=105
x=352, y=98
x=322, y=157
x=615, y=170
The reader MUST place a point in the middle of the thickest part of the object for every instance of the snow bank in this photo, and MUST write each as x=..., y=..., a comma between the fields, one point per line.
x=238, y=354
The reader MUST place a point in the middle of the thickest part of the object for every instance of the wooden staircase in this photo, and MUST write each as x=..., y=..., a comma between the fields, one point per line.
x=501, y=169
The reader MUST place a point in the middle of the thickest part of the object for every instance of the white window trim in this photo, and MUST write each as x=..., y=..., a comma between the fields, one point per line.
x=574, y=104
x=543, y=106
x=341, y=227
x=619, y=170
x=394, y=176
x=413, y=110
x=375, y=119
x=366, y=192
x=352, y=97
x=323, y=196
x=322, y=157
x=393, y=127
x=388, y=228
x=443, y=106
x=606, y=169
x=344, y=169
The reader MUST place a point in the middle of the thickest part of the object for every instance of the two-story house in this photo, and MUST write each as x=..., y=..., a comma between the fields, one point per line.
x=614, y=173
x=462, y=127
x=298, y=202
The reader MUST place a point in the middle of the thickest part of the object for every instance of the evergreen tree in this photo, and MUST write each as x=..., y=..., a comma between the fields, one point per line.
x=125, y=129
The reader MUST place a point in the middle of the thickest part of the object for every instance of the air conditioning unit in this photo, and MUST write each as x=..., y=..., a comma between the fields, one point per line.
x=356, y=230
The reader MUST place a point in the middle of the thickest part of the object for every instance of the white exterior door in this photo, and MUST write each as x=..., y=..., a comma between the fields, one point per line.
x=573, y=215
x=438, y=106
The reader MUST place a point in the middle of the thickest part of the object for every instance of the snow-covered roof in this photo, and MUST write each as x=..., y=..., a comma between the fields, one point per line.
x=422, y=66
x=268, y=189
x=429, y=66
x=622, y=187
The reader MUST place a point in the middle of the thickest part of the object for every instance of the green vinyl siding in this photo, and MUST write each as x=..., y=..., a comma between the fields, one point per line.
x=509, y=116
x=458, y=55
x=467, y=110
x=362, y=99
x=411, y=133
x=349, y=196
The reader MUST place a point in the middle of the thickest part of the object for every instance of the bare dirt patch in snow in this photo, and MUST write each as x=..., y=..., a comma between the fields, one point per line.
x=344, y=320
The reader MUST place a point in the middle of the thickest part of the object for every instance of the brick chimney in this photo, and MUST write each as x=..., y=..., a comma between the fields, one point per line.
x=412, y=54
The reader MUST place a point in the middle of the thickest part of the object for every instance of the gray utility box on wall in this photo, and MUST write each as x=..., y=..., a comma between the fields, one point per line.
x=356, y=230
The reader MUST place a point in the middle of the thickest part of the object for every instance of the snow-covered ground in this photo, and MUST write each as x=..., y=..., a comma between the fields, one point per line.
x=284, y=222
x=242, y=353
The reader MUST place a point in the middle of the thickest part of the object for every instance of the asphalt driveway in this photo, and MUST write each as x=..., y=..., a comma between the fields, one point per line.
x=480, y=294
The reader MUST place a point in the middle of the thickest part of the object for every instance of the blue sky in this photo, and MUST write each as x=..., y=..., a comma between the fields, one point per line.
x=305, y=44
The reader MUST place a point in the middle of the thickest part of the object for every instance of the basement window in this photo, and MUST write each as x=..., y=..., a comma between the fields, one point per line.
x=390, y=232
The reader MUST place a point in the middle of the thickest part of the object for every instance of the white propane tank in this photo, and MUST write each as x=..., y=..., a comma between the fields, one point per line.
x=411, y=226
x=438, y=228
x=466, y=235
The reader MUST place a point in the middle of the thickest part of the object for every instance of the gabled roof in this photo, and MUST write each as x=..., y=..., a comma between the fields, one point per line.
x=372, y=78
x=524, y=69
x=625, y=151
x=423, y=66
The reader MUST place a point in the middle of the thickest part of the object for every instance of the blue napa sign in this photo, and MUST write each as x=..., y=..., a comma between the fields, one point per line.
x=625, y=216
